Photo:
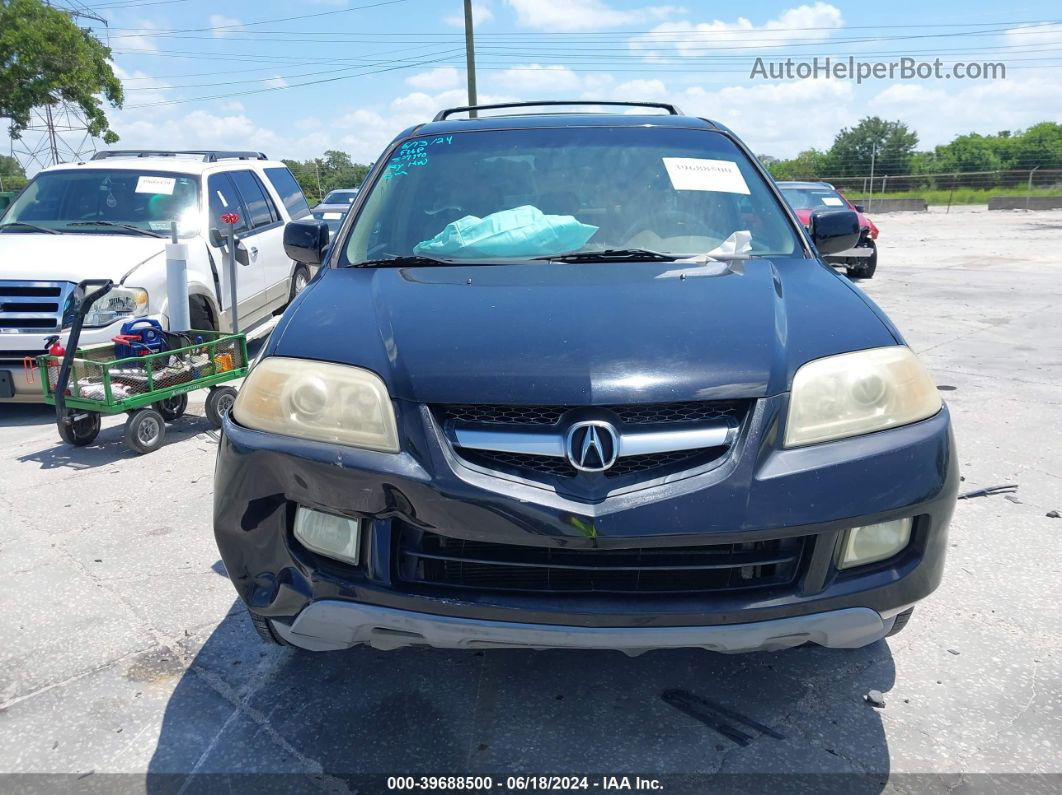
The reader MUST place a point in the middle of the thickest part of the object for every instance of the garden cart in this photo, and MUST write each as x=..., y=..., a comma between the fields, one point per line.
x=145, y=372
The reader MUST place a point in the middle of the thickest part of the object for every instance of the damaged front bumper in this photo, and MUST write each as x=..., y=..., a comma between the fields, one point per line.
x=809, y=496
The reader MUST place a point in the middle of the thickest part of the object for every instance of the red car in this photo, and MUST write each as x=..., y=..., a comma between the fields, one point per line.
x=861, y=260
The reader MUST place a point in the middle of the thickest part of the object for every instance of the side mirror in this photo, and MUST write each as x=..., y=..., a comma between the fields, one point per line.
x=217, y=240
x=859, y=208
x=242, y=256
x=834, y=230
x=306, y=241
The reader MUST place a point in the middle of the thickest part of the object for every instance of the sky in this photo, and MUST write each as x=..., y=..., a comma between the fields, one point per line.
x=296, y=79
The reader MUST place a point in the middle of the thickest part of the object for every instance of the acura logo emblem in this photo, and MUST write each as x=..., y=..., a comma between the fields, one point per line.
x=592, y=446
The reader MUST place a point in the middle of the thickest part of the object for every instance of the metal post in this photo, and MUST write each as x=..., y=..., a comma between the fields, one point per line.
x=951, y=192
x=470, y=57
x=1028, y=192
x=231, y=219
x=873, y=154
x=177, y=283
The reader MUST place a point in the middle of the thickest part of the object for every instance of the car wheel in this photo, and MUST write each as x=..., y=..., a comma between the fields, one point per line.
x=172, y=408
x=865, y=270
x=299, y=279
x=199, y=316
x=265, y=630
x=219, y=403
x=145, y=431
x=900, y=622
x=83, y=428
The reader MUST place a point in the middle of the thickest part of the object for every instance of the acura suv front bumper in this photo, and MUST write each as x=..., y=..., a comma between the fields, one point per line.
x=736, y=553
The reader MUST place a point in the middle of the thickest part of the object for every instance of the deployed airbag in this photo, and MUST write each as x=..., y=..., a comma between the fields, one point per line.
x=520, y=232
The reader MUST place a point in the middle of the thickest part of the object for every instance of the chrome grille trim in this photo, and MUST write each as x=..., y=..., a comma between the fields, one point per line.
x=33, y=307
x=630, y=442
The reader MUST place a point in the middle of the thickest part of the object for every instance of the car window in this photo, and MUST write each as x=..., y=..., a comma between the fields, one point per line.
x=289, y=191
x=224, y=200
x=545, y=191
x=70, y=201
x=340, y=197
x=813, y=198
x=259, y=205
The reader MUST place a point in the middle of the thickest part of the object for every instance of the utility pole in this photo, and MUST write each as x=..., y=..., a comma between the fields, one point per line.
x=873, y=154
x=470, y=57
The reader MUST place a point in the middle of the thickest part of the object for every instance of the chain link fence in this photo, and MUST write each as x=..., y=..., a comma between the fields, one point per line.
x=969, y=187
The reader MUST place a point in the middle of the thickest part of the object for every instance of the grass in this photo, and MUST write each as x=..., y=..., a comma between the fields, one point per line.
x=959, y=196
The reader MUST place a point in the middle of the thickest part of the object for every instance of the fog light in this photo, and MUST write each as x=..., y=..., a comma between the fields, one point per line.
x=874, y=542
x=335, y=536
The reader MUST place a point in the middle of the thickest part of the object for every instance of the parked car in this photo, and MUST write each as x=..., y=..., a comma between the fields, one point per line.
x=861, y=260
x=337, y=200
x=110, y=218
x=549, y=390
x=331, y=218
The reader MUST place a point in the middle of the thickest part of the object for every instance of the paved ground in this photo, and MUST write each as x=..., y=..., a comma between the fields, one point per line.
x=123, y=650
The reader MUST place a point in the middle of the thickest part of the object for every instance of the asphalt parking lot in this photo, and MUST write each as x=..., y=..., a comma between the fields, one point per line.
x=124, y=650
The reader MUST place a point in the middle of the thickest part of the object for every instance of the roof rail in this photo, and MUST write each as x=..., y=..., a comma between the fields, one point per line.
x=208, y=155
x=442, y=115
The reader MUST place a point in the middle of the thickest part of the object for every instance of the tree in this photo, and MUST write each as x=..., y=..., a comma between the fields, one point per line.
x=809, y=164
x=890, y=143
x=44, y=59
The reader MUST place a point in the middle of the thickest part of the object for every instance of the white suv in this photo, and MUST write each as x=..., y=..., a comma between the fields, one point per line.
x=110, y=217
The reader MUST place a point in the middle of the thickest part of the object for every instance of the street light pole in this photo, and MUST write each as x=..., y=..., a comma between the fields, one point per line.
x=470, y=57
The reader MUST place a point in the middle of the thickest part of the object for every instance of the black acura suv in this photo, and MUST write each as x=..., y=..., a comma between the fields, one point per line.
x=581, y=380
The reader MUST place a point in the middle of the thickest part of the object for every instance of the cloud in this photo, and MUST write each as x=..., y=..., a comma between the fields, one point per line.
x=532, y=77
x=435, y=79
x=227, y=23
x=481, y=13
x=573, y=15
x=1044, y=35
x=142, y=41
x=938, y=115
x=277, y=81
x=806, y=23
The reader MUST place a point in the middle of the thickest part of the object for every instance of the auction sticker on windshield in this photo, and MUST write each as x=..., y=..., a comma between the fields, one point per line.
x=156, y=185
x=694, y=173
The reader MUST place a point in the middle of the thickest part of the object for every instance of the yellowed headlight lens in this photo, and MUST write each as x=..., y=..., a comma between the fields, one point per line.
x=857, y=393
x=320, y=401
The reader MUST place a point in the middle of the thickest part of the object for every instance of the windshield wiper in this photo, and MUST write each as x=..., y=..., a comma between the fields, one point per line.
x=399, y=262
x=139, y=230
x=613, y=255
x=24, y=225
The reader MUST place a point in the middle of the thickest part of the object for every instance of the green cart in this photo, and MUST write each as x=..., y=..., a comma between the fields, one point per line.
x=88, y=382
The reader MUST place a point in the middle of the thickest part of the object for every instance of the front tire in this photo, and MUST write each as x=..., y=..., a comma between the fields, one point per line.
x=145, y=430
x=81, y=431
x=900, y=622
x=865, y=269
x=299, y=279
x=265, y=630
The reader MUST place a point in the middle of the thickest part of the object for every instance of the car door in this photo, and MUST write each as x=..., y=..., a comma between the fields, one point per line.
x=265, y=239
x=250, y=283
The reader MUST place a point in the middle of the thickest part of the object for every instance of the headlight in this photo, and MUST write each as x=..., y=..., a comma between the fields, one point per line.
x=320, y=401
x=856, y=393
x=120, y=302
x=874, y=542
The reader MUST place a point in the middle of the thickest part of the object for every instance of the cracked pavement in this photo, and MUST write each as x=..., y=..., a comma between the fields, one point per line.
x=125, y=651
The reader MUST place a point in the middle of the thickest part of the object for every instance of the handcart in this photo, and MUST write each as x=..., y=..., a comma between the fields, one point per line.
x=150, y=383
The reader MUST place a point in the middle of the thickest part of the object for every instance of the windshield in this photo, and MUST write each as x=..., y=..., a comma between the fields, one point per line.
x=340, y=197
x=813, y=198
x=540, y=192
x=106, y=201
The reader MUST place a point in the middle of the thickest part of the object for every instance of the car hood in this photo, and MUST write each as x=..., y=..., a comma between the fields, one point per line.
x=582, y=334
x=73, y=257
x=331, y=208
